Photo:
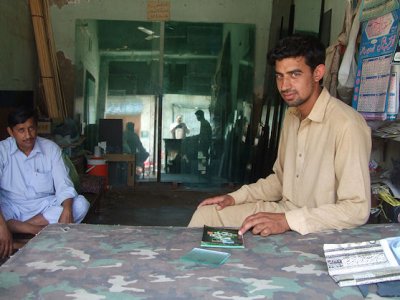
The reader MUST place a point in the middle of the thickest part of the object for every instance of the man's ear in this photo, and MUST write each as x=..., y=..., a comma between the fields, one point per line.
x=9, y=130
x=319, y=72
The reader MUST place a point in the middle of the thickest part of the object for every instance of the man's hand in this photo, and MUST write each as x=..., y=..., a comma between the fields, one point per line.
x=221, y=201
x=6, y=241
x=66, y=215
x=264, y=224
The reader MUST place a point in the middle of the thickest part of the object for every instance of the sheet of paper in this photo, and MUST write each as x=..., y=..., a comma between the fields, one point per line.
x=364, y=262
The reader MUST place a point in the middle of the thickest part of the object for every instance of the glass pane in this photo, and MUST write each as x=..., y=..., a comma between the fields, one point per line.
x=126, y=58
x=133, y=82
x=208, y=68
x=151, y=73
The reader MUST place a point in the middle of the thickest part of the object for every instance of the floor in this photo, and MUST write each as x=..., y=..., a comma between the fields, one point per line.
x=153, y=204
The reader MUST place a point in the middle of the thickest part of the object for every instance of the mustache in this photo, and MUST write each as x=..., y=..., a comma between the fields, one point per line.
x=287, y=91
x=28, y=140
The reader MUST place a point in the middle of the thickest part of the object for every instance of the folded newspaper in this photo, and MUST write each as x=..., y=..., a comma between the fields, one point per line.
x=364, y=262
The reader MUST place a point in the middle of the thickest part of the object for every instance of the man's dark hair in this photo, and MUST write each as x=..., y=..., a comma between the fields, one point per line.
x=20, y=115
x=305, y=46
x=199, y=113
x=130, y=126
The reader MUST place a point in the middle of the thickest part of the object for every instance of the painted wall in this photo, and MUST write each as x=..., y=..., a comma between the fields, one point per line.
x=308, y=16
x=338, y=12
x=87, y=60
x=18, y=58
x=279, y=18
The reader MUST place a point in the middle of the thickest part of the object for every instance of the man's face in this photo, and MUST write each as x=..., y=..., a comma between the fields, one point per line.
x=25, y=135
x=295, y=80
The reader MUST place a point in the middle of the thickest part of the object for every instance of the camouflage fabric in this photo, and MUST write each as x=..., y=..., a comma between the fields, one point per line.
x=122, y=262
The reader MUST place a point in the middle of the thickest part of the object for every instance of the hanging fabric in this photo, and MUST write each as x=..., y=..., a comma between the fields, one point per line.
x=348, y=67
x=335, y=51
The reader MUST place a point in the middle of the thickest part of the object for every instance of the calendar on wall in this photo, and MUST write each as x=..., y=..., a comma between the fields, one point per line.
x=376, y=80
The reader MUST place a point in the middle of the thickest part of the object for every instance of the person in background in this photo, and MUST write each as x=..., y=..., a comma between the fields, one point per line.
x=204, y=137
x=133, y=145
x=35, y=188
x=178, y=129
x=320, y=178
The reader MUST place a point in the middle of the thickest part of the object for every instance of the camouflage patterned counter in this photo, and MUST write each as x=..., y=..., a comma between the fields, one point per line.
x=123, y=262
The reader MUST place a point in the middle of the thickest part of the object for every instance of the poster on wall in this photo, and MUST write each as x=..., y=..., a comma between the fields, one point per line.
x=377, y=47
x=372, y=9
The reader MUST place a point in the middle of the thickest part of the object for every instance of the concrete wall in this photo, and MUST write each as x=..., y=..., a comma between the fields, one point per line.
x=18, y=58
